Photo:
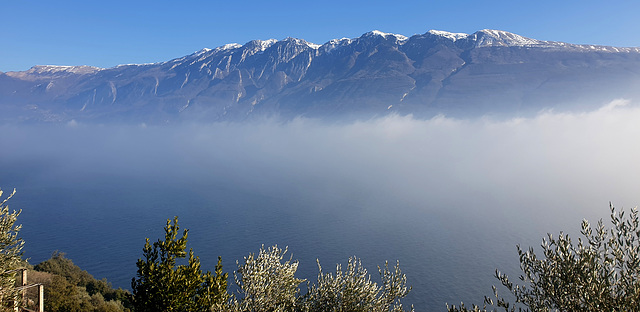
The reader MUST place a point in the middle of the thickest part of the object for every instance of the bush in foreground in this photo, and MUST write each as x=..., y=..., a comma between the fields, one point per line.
x=599, y=273
x=10, y=252
x=266, y=283
x=163, y=285
x=353, y=290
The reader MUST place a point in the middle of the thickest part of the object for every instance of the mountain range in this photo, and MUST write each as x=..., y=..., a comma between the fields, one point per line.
x=489, y=72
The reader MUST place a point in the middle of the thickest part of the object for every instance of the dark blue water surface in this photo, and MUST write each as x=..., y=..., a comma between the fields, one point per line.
x=102, y=227
x=450, y=210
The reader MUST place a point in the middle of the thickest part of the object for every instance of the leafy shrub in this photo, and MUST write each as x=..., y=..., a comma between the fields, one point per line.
x=10, y=251
x=266, y=283
x=599, y=273
x=353, y=290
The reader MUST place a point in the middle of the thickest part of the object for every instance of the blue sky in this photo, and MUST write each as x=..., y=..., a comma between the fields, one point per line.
x=108, y=33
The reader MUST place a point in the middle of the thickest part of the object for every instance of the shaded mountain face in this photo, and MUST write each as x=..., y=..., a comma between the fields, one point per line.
x=488, y=72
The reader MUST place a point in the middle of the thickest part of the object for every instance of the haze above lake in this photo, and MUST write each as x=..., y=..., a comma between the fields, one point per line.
x=449, y=198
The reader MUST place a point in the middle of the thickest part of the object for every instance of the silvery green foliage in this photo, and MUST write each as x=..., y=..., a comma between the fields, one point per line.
x=352, y=290
x=10, y=250
x=266, y=282
x=599, y=273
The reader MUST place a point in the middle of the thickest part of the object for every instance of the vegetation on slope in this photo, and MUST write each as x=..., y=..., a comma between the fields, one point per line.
x=69, y=288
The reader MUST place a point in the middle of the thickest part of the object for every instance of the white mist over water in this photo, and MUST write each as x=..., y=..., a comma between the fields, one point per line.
x=449, y=198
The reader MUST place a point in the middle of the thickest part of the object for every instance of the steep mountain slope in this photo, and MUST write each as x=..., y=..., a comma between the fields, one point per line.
x=488, y=72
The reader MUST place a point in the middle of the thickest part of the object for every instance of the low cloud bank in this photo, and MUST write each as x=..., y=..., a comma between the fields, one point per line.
x=577, y=158
x=449, y=197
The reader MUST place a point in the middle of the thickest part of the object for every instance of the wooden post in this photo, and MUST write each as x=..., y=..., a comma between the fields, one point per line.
x=24, y=277
x=40, y=298
x=24, y=283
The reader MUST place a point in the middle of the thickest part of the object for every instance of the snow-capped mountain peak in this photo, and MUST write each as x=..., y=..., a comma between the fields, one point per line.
x=51, y=71
x=490, y=37
x=313, y=45
x=261, y=45
x=301, y=42
x=449, y=35
x=377, y=33
x=57, y=69
x=228, y=46
x=376, y=72
x=335, y=44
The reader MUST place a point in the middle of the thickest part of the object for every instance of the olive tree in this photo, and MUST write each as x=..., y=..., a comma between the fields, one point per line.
x=10, y=250
x=599, y=273
x=352, y=290
x=267, y=282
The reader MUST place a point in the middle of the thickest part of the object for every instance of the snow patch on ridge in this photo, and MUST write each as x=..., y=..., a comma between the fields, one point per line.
x=264, y=44
x=490, y=37
x=313, y=45
x=228, y=46
x=335, y=44
x=52, y=71
x=448, y=35
x=55, y=69
x=385, y=35
x=301, y=42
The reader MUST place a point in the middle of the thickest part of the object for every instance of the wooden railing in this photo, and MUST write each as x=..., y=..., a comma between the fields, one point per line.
x=23, y=288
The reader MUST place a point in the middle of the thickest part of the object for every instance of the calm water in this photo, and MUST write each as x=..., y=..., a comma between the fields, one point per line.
x=102, y=227
x=450, y=200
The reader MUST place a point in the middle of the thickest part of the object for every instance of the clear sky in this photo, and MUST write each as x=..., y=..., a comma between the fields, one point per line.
x=108, y=33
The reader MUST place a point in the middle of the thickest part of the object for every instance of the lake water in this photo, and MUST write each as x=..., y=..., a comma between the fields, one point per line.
x=449, y=200
x=102, y=228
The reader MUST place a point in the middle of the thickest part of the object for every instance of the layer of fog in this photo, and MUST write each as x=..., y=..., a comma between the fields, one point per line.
x=574, y=158
x=476, y=179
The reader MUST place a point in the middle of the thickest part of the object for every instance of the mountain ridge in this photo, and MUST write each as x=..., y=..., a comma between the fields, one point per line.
x=495, y=34
x=489, y=71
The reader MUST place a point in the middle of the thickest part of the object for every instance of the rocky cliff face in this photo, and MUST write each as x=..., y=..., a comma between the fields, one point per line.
x=488, y=72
